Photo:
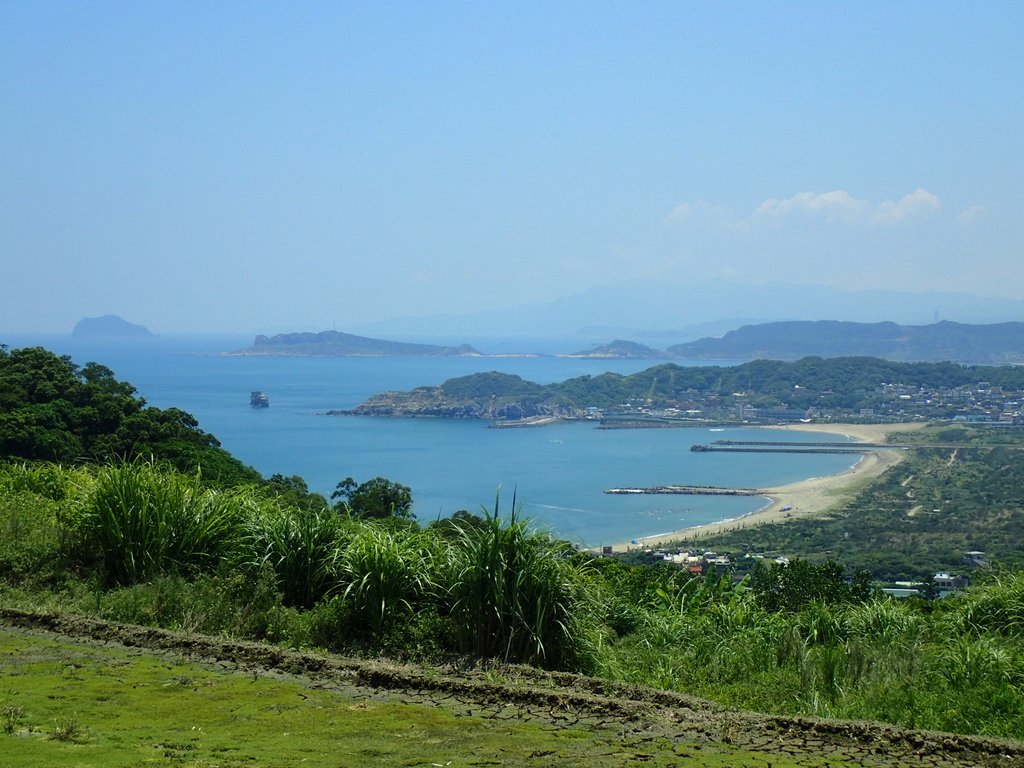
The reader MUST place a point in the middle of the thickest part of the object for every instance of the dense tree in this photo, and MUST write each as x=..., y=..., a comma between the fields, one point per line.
x=798, y=583
x=376, y=498
x=53, y=410
x=294, y=490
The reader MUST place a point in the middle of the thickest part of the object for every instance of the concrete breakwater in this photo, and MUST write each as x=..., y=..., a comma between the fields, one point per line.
x=690, y=490
x=806, y=444
x=529, y=421
x=853, y=448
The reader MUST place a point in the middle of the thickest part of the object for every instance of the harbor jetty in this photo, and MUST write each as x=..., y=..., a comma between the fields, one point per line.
x=529, y=421
x=806, y=444
x=790, y=446
x=690, y=490
x=854, y=448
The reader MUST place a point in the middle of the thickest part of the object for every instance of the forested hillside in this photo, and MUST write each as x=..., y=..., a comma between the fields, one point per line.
x=850, y=383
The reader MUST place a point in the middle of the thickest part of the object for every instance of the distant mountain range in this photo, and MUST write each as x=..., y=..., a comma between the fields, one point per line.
x=995, y=344
x=109, y=327
x=337, y=344
x=992, y=344
x=661, y=313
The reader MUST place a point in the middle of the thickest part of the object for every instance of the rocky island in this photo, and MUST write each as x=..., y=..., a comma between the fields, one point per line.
x=338, y=344
x=111, y=328
x=620, y=349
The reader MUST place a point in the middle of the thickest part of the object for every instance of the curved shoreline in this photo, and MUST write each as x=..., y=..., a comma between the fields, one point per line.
x=804, y=498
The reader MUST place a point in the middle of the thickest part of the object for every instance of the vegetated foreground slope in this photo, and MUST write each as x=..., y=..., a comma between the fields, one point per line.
x=75, y=690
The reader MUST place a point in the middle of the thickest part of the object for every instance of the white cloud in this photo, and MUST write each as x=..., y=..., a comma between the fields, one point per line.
x=833, y=205
x=680, y=213
x=704, y=215
x=917, y=201
x=840, y=205
x=970, y=214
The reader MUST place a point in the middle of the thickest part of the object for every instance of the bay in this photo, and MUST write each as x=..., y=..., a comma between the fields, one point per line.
x=556, y=474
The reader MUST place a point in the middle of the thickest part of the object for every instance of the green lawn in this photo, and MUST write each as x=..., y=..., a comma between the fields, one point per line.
x=71, y=704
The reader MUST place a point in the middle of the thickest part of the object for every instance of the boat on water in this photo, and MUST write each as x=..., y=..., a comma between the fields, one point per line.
x=259, y=400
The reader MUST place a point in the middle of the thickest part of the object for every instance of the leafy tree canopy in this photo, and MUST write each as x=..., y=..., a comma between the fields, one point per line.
x=798, y=583
x=376, y=498
x=53, y=410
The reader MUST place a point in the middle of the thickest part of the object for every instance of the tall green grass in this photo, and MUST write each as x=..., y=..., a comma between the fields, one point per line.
x=517, y=595
x=145, y=521
x=49, y=481
x=995, y=607
x=300, y=546
x=386, y=574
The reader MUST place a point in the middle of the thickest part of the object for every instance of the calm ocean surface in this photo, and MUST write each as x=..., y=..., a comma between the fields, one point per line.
x=558, y=473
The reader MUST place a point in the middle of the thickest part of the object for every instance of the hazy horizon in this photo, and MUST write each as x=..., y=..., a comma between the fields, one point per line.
x=242, y=169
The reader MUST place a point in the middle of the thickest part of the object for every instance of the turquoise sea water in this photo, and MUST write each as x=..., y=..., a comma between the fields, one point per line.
x=558, y=473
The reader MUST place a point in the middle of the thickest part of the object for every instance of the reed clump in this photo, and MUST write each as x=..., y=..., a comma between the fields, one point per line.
x=144, y=520
x=519, y=595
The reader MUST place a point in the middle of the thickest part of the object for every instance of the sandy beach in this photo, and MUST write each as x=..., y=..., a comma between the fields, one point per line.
x=806, y=497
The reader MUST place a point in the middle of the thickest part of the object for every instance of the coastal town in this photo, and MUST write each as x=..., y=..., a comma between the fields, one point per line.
x=978, y=403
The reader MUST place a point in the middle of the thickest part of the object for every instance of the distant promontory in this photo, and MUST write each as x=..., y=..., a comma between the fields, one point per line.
x=110, y=327
x=338, y=344
x=839, y=389
x=994, y=344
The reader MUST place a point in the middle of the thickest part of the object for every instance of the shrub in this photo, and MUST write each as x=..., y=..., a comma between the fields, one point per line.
x=300, y=545
x=517, y=596
x=385, y=573
x=30, y=551
x=230, y=602
x=145, y=521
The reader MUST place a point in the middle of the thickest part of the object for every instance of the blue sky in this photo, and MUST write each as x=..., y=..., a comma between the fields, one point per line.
x=267, y=167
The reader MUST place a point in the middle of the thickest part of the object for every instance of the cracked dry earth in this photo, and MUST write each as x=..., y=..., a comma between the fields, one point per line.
x=649, y=725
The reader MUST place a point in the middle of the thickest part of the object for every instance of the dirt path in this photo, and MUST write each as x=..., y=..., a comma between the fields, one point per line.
x=642, y=716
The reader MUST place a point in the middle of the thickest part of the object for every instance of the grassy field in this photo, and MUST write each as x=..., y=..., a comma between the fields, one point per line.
x=76, y=691
x=71, y=703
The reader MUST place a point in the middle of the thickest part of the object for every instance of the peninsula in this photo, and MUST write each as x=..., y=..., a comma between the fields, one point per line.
x=495, y=396
x=843, y=389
